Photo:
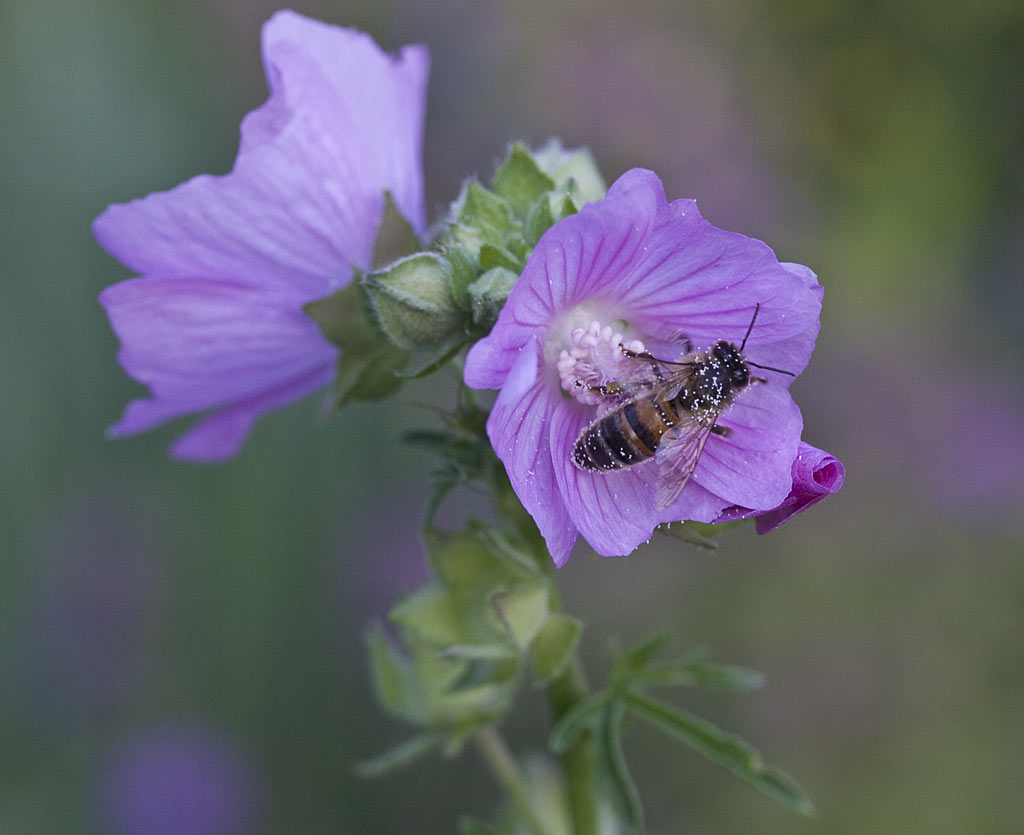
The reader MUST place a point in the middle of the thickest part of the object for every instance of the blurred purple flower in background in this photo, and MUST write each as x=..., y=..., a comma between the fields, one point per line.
x=178, y=779
x=648, y=271
x=89, y=617
x=216, y=323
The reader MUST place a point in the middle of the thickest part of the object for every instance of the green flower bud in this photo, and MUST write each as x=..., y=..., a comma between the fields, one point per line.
x=413, y=301
x=488, y=293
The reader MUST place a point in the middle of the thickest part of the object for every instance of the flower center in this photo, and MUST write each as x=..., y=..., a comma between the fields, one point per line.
x=597, y=360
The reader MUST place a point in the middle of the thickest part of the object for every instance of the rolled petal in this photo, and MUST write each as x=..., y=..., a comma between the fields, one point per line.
x=304, y=199
x=816, y=474
x=199, y=344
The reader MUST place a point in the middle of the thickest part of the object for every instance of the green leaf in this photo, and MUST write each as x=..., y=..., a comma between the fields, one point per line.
x=725, y=749
x=399, y=756
x=637, y=657
x=580, y=718
x=520, y=181
x=395, y=236
x=623, y=794
x=703, y=674
x=554, y=645
x=523, y=610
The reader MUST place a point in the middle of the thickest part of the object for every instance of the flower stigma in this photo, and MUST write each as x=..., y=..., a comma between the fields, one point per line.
x=597, y=360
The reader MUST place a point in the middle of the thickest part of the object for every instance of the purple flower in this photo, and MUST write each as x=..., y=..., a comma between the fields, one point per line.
x=179, y=779
x=638, y=272
x=215, y=324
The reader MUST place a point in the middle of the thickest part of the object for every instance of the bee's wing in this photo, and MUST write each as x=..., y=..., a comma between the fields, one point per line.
x=643, y=376
x=677, y=457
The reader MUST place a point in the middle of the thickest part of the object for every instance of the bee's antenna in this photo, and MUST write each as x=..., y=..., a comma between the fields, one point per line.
x=750, y=327
x=769, y=368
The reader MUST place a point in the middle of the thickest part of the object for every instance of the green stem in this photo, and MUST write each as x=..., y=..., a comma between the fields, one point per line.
x=504, y=767
x=579, y=762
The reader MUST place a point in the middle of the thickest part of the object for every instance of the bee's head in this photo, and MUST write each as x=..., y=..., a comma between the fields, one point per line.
x=731, y=359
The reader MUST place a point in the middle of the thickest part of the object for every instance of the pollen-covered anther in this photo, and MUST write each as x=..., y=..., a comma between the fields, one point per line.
x=597, y=356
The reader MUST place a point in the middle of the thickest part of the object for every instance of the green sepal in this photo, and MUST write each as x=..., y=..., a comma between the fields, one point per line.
x=576, y=170
x=493, y=256
x=554, y=645
x=428, y=360
x=701, y=535
x=413, y=301
x=392, y=676
x=725, y=749
x=539, y=219
x=434, y=616
x=395, y=236
x=523, y=610
x=484, y=210
x=475, y=563
x=366, y=376
x=401, y=755
x=464, y=272
x=368, y=365
x=487, y=295
x=520, y=180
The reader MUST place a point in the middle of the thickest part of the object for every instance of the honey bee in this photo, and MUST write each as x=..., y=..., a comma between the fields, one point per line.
x=668, y=413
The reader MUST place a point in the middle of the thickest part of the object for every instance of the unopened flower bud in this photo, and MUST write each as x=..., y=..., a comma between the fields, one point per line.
x=413, y=301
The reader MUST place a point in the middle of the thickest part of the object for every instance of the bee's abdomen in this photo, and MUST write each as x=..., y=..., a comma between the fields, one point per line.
x=625, y=436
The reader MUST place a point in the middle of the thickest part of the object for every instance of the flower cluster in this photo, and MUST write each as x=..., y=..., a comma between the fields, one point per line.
x=215, y=324
x=234, y=267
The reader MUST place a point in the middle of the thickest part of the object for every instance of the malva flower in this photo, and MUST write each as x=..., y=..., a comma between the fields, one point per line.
x=215, y=324
x=635, y=272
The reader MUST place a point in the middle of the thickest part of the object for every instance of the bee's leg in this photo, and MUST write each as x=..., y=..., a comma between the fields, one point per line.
x=720, y=431
x=650, y=359
x=612, y=389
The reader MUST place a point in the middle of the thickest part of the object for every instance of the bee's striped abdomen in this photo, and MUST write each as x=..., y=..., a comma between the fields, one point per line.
x=625, y=436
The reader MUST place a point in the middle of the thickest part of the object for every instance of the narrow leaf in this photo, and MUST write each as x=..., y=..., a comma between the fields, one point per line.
x=623, y=793
x=399, y=756
x=579, y=718
x=725, y=749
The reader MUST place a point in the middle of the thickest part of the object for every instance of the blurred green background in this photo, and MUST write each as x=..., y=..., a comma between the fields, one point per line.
x=173, y=630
